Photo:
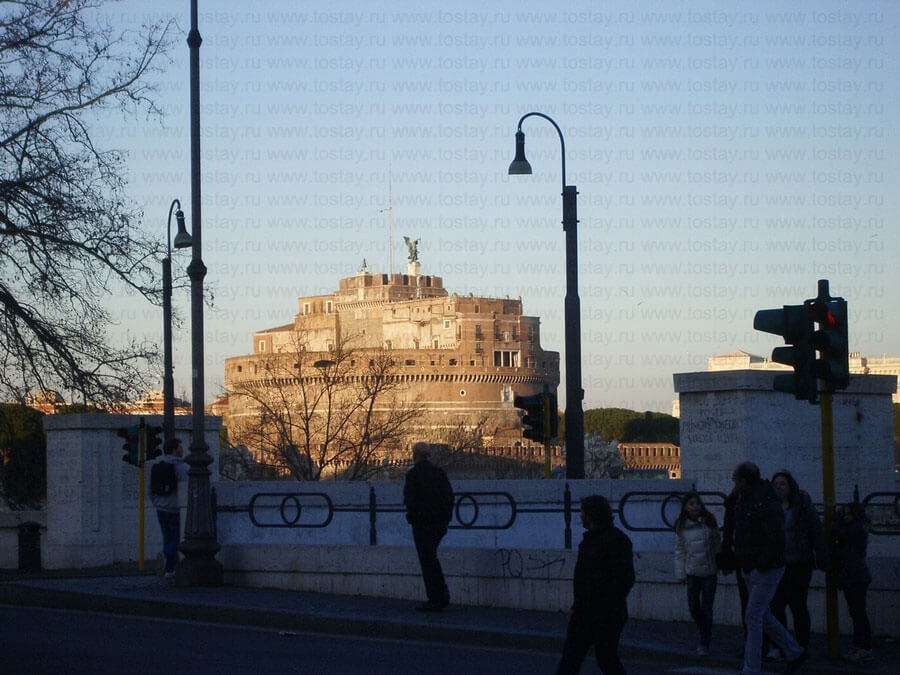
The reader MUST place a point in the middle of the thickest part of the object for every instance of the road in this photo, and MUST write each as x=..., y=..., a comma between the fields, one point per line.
x=37, y=641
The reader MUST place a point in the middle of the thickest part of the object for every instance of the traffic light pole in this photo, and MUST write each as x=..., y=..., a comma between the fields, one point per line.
x=828, y=497
x=142, y=454
x=545, y=405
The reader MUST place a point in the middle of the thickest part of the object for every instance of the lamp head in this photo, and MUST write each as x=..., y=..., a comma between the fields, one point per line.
x=520, y=165
x=182, y=239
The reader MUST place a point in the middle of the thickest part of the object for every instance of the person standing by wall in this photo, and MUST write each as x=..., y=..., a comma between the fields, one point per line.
x=428, y=497
x=759, y=551
x=165, y=474
x=804, y=550
x=604, y=574
x=850, y=532
x=697, y=542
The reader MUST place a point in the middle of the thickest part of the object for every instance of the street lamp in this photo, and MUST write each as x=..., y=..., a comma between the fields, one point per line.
x=182, y=240
x=574, y=392
x=199, y=566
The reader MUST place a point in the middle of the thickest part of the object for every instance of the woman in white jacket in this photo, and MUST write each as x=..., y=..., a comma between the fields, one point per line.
x=698, y=540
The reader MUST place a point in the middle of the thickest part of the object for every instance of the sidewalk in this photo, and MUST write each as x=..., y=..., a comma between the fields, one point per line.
x=116, y=591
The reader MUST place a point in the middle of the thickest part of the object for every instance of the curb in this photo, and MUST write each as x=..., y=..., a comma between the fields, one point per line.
x=421, y=631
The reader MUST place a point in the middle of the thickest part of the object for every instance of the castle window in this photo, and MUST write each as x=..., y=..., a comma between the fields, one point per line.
x=329, y=307
x=478, y=330
x=352, y=362
x=388, y=344
x=472, y=362
x=240, y=368
x=329, y=346
x=306, y=308
x=452, y=362
x=371, y=363
x=497, y=359
x=477, y=309
x=446, y=323
x=434, y=344
x=262, y=345
x=296, y=366
x=462, y=392
x=409, y=362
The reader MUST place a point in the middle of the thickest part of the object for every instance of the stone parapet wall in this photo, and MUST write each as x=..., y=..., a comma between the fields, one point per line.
x=524, y=578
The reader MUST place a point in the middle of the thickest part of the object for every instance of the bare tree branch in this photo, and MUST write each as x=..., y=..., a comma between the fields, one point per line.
x=70, y=237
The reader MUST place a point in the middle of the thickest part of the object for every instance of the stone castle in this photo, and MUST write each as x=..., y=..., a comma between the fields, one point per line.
x=460, y=357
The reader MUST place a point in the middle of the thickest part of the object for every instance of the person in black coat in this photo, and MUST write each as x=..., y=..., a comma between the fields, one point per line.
x=428, y=497
x=759, y=543
x=850, y=533
x=604, y=574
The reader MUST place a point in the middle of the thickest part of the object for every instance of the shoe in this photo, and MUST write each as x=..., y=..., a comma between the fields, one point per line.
x=701, y=651
x=430, y=607
x=857, y=655
x=794, y=665
x=774, y=654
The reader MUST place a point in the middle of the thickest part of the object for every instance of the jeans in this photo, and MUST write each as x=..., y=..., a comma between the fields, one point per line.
x=855, y=595
x=761, y=586
x=792, y=592
x=601, y=631
x=701, y=592
x=427, y=539
x=170, y=523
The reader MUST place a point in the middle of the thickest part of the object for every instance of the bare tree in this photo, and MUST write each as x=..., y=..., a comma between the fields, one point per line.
x=318, y=414
x=68, y=236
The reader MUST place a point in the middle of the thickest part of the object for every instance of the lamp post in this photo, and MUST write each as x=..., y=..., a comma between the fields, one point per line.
x=199, y=566
x=574, y=392
x=182, y=240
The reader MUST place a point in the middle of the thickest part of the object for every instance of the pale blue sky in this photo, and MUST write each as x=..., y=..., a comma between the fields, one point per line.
x=727, y=156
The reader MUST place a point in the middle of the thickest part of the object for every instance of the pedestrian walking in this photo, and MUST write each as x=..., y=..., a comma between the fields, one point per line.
x=726, y=562
x=850, y=532
x=697, y=542
x=604, y=574
x=165, y=474
x=428, y=497
x=759, y=544
x=804, y=551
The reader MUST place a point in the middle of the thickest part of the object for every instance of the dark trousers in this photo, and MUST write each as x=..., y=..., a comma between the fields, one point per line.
x=170, y=523
x=792, y=592
x=855, y=595
x=602, y=631
x=701, y=592
x=427, y=539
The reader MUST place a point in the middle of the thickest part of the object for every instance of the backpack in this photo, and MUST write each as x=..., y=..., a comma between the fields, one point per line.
x=163, y=479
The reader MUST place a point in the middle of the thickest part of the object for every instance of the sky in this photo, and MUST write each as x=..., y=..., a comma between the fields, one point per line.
x=727, y=156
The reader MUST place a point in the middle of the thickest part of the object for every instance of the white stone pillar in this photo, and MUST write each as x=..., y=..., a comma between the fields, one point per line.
x=92, y=494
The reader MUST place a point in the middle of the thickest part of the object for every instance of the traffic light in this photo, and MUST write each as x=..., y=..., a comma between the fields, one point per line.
x=833, y=364
x=553, y=411
x=131, y=446
x=533, y=419
x=795, y=324
x=154, y=441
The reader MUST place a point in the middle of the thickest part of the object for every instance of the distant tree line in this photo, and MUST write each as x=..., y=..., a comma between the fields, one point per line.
x=628, y=426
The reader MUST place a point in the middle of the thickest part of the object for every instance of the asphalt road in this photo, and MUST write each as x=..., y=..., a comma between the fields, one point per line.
x=39, y=641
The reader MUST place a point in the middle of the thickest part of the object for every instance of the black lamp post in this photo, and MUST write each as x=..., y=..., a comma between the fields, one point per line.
x=574, y=392
x=199, y=566
x=182, y=240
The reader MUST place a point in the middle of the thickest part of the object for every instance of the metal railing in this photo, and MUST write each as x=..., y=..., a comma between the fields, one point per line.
x=286, y=510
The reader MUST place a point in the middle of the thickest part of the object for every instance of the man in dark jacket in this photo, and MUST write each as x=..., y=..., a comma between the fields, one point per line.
x=759, y=551
x=604, y=574
x=428, y=498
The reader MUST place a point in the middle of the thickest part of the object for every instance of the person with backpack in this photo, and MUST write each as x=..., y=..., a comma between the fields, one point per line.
x=698, y=541
x=604, y=575
x=428, y=497
x=165, y=475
